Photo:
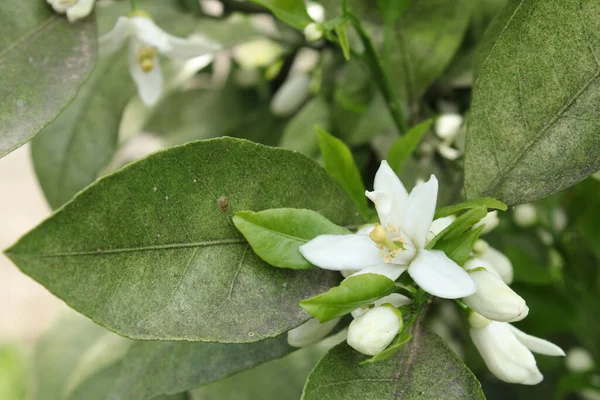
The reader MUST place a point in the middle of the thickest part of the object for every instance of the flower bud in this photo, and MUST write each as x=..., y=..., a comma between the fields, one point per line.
x=374, y=330
x=447, y=126
x=394, y=299
x=494, y=299
x=310, y=332
x=579, y=360
x=525, y=215
x=291, y=95
x=316, y=11
x=501, y=264
x=313, y=32
x=489, y=222
x=559, y=220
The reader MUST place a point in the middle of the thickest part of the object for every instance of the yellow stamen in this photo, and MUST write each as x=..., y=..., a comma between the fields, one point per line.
x=379, y=236
x=145, y=57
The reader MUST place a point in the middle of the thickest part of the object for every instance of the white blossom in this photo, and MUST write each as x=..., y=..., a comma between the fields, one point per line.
x=146, y=41
x=395, y=299
x=494, y=299
x=310, y=332
x=579, y=360
x=398, y=244
x=75, y=9
x=447, y=126
x=507, y=351
x=291, y=95
x=493, y=260
x=371, y=332
x=489, y=222
x=525, y=215
x=313, y=32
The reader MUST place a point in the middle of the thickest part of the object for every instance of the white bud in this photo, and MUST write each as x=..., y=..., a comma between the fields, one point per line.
x=478, y=321
x=438, y=225
x=489, y=222
x=559, y=220
x=447, y=126
x=316, y=11
x=310, y=332
x=480, y=247
x=500, y=263
x=374, y=330
x=395, y=299
x=257, y=53
x=494, y=299
x=313, y=32
x=579, y=360
x=448, y=152
x=525, y=215
x=291, y=95
x=545, y=236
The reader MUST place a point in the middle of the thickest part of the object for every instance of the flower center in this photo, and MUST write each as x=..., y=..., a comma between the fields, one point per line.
x=388, y=241
x=145, y=57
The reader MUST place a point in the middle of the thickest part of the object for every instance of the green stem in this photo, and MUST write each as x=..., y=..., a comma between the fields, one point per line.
x=133, y=4
x=379, y=73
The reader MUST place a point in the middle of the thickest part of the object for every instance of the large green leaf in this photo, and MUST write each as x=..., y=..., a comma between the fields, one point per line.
x=43, y=61
x=150, y=252
x=425, y=369
x=276, y=235
x=69, y=152
x=533, y=127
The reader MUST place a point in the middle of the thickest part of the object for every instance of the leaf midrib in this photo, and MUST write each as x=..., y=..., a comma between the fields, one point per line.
x=31, y=34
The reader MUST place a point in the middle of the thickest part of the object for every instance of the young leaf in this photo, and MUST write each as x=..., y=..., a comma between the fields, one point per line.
x=459, y=248
x=536, y=147
x=340, y=164
x=352, y=293
x=460, y=225
x=150, y=251
x=276, y=234
x=486, y=202
x=403, y=148
x=340, y=30
x=292, y=12
x=425, y=368
x=43, y=61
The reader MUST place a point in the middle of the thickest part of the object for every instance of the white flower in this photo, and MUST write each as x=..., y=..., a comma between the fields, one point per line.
x=507, y=350
x=398, y=244
x=75, y=9
x=525, y=215
x=313, y=32
x=494, y=299
x=257, y=53
x=559, y=220
x=310, y=332
x=447, y=126
x=291, y=95
x=374, y=330
x=579, y=360
x=395, y=299
x=146, y=41
x=489, y=222
x=316, y=11
x=493, y=260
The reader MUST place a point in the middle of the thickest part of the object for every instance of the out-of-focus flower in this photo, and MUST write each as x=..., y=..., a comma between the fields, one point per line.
x=313, y=32
x=579, y=360
x=525, y=215
x=291, y=95
x=75, y=9
x=310, y=332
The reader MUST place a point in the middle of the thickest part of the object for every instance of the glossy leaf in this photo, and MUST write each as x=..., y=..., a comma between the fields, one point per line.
x=459, y=248
x=70, y=152
x=404, y=147
x=275, y=235
x=533, y=126
x=460, y=225
x=486, y=202
x=292, y=12
x=340, y=164
x=425, y=369
x=354, y=292
x=150, y=251
x=43, y=61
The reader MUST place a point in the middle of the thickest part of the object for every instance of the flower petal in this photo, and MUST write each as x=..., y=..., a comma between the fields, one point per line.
x=59, y=6
x=501, y=264
x=418, y=214
x=386, y=180
x=504, y=355
x=79, y=10
x=392, y=271
x=189, y=48
x=384, y=203
x=310, y=332
x=438, y=225
x=150, y=34
x=149, y=84
x=433, y=271
x=536, y=344
x=113, y=40
x=340, y=252
x=478, y=263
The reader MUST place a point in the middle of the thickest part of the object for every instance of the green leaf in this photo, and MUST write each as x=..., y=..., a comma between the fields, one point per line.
x=292, y=12
x=153, y=368
x=299, y=132
x=403, y=148
x=538, y=88
x=340, y=164
x=354, y=292
x=486, y=202
x=340, y=30
x=275, y=235
x=459, y=226
x=391, y=10
x=459, y=248
x=150, y=251
x=43, y=61
x=14, y=365
x=428, y=34
x=425, y=369
x=69, y=153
